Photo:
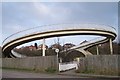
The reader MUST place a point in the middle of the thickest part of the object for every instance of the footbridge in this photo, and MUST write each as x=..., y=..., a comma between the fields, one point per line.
x=84, y=46
x=42, y=32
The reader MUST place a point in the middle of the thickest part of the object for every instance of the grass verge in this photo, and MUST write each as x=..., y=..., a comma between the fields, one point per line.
x=48, y=70
x=18, y=69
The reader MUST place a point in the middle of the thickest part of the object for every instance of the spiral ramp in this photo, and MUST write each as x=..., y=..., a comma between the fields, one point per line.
x=42, y=32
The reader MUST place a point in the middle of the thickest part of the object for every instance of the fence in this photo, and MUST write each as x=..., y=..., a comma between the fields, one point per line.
x=31, y=63
x=100, y=64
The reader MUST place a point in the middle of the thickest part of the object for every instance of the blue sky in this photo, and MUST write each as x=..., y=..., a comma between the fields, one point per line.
x=17, y=16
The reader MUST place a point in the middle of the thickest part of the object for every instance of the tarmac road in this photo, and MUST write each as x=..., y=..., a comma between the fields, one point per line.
x=23, y=74
x=27, y=75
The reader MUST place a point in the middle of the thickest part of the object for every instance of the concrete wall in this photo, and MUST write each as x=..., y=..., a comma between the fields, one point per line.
x=100, y=64
x=32, y=63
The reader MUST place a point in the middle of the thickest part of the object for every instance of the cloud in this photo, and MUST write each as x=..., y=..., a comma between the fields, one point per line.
x=33, y=14
x=19, y=16
x=99, y=13
x=42, y=9
x=1, y=24
x=11, y=29
x=50, y=12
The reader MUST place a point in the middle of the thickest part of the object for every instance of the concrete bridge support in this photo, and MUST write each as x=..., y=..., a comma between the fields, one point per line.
x=43, y=52
x=97, y=49
x=111, y=46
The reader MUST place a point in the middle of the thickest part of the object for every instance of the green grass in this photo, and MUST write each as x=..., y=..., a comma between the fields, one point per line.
x=50, y=70
x=85, y=71
x=18, y=69
x=97, y=72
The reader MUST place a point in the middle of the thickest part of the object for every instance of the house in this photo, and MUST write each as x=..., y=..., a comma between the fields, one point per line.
x=68, y=45
x=31, y=47
x=56, y=46
x=40, y=47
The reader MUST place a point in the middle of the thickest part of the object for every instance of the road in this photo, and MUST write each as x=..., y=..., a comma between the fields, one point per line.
x=23, y=74
x=27, y=75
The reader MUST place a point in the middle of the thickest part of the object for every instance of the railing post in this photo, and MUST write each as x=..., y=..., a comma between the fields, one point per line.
x=111, y=47
x=43, y=48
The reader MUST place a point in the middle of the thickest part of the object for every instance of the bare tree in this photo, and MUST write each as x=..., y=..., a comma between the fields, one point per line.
x=36, y=45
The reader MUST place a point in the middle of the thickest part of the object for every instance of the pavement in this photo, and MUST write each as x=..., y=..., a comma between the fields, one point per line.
x=72, y=73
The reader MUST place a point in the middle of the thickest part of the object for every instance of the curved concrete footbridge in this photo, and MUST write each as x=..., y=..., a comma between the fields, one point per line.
x=108, y=33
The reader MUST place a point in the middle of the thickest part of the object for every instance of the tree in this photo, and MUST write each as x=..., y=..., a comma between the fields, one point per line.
x=104, y=49
x=36, y=46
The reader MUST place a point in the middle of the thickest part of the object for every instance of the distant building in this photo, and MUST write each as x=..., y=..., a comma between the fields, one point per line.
x=40, y=47
x=21, y=48
x=31, y=47
x=68, y=45
x=56, y=46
